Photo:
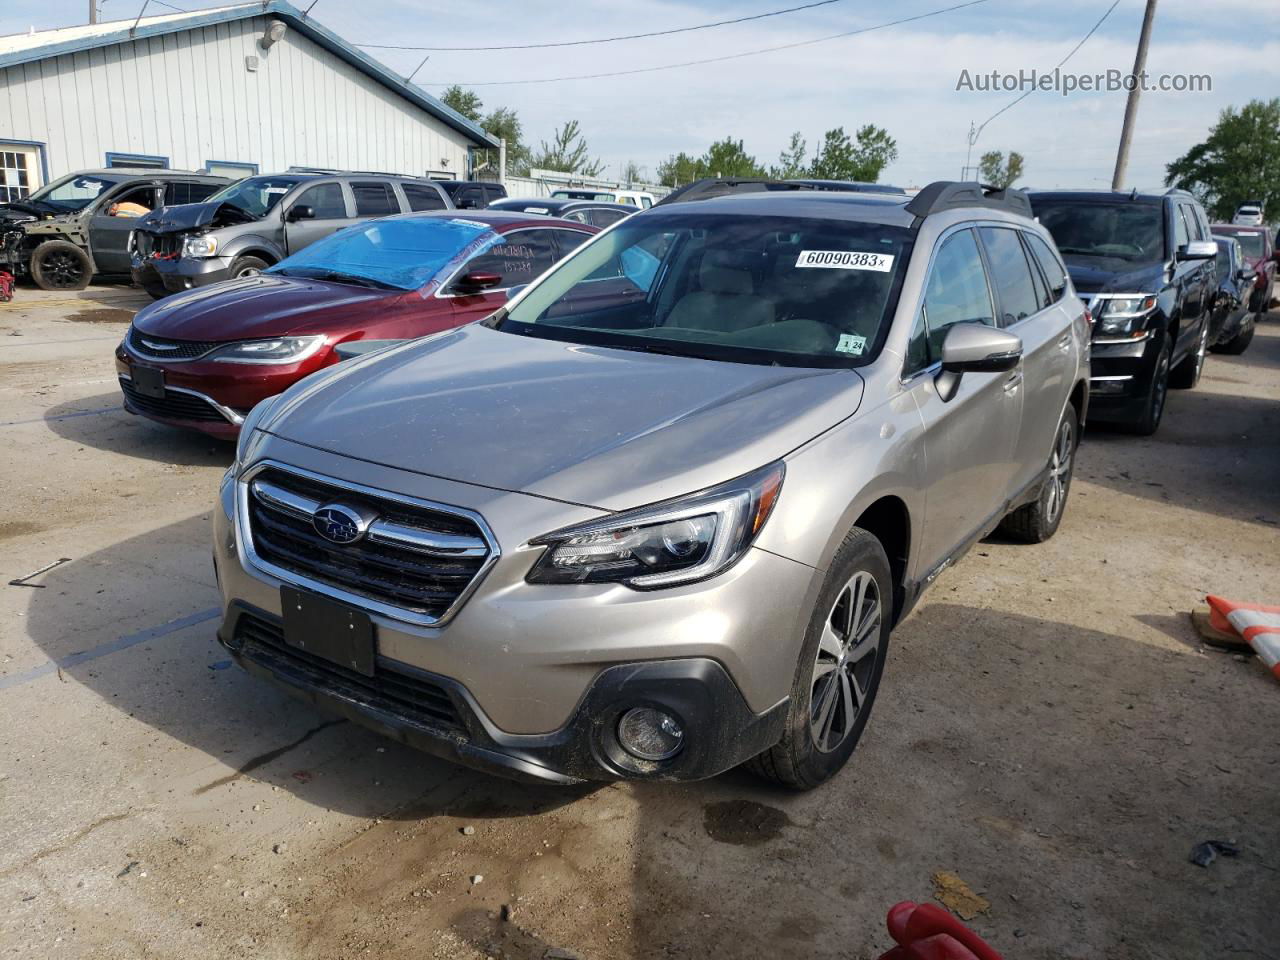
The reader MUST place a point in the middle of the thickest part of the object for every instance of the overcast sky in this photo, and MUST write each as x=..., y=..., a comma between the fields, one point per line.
x=902, y=78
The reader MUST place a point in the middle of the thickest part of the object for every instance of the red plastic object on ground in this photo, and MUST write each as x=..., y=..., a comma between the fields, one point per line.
x=6, y=286
x=925, y=932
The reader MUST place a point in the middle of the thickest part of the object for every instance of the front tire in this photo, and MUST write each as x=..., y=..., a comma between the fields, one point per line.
x=841, y=663
x=1157, y=393
x=247, y=266
x=1039, y=520
x=1187, y=374
x=60, y=265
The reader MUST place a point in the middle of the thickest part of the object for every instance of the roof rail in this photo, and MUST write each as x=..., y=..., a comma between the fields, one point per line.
x=709, y=187
x=327, y=171
x=957, y=194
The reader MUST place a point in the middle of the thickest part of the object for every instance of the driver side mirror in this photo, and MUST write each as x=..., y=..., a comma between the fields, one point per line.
x=1198, y=250
x=1246, y=274
x=476, y=281
x=975, y=348
x=301, y=211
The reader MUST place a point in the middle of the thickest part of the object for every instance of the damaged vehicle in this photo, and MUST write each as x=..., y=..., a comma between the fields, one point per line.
x=657, y=515
x=258, y=221
x=78, y=226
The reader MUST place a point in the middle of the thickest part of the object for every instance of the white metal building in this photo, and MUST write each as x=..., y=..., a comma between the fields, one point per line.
x=256, y=87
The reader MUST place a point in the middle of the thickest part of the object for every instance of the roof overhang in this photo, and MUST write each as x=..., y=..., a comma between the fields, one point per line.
x=78, y=39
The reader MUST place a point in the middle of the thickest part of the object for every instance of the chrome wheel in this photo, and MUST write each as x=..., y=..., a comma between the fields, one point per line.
x=1059, y=472
x=247, y=272
x=1204, y=349
x=845, y=665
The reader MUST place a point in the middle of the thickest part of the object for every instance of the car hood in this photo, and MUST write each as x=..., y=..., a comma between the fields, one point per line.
x=268, y=305
x=192, y=216
x=1105, y=274
x=596, y=426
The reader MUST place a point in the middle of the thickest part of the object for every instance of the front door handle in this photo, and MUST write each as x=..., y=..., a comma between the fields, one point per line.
x=1064, y=342
x=1011, y=385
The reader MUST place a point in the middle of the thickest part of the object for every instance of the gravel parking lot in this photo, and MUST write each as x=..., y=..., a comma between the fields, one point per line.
x=1050, y=730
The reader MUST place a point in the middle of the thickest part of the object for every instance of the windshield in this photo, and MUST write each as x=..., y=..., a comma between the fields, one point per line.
x=255, y=196
x=1251, y=241
x=398, y=254
x=1121, y=230
x=73, y=193
x=753, y=289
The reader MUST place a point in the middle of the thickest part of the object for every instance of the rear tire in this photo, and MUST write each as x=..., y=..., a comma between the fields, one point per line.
x=1157, y=394
x=1187, y=374
x=841, y=662
x=60, y=265
x=1240, y=342
x=1039, y=520
x=247, y=266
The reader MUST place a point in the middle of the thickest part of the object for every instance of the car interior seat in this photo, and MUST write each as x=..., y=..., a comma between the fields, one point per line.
x=727, y=300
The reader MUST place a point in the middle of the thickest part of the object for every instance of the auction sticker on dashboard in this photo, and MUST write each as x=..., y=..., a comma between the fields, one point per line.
x=845, y=260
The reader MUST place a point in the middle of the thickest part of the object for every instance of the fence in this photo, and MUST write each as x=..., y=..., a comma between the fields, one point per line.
x=541, y=183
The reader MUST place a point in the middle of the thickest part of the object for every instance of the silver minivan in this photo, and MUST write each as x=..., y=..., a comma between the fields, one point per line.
x=658, y=515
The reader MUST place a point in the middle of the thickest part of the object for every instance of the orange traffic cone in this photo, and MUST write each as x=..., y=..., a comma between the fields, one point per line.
x=1257, y=623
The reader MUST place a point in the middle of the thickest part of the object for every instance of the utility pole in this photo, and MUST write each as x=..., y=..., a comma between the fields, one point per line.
x=93, y=11
x=1131, y=107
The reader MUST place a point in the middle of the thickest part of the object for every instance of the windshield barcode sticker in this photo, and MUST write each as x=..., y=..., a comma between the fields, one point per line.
x=845, y=260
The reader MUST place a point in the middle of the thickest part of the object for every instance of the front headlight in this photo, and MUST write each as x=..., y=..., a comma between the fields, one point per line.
x=199, y=246
x=251, y=421
x=276, y=350
x=1122, y=316
x=677, y=541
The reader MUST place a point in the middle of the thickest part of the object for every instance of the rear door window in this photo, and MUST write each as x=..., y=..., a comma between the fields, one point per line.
x=521, y=257
x=1010, y=274
x=603, y=216
x=325, y=199
x=569, y=240
x=423, y=197
x=1050, y=265
x=374, y=199
x=185, y=191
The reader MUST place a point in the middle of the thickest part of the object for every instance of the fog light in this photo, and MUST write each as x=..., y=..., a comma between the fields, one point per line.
x=650, y=734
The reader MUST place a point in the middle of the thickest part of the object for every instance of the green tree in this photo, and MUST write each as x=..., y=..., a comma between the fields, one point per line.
x=791, y=161
x=504, y=123
x=729, y=158
x=862, y=158
x=995, y=170
x=680, y=169
x=466, y=102
x=632, y=172
x=567, y=152
x=1239, y=161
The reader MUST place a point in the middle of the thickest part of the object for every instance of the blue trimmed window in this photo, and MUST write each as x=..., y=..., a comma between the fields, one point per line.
x=136, y=160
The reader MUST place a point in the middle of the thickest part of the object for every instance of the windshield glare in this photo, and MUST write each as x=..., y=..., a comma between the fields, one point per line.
x=1121, y=230
x=255, y=195
x=74, y=193
x=401, y=253
x=800, y=292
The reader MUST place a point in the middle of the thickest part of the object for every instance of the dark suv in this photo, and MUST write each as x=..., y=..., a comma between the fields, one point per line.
x=1144, y=264
x=472, y=194
x=79, y=225
x=258, y=221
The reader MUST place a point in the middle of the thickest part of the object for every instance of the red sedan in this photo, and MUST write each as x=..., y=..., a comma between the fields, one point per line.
x=203, y=358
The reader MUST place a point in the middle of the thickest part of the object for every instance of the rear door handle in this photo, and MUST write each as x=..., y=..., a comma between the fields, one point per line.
x=1064, y=342
x=1011, y=385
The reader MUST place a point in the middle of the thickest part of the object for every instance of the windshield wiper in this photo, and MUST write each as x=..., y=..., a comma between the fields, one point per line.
x=336, y=276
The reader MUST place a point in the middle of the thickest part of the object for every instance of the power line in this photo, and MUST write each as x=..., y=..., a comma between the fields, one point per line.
x=731, y=56
x=1017, y=100
x=630, y=36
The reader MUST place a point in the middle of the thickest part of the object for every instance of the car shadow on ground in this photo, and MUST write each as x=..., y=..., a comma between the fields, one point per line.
x=101, y=422
x=1191, y=462
x=182, y=683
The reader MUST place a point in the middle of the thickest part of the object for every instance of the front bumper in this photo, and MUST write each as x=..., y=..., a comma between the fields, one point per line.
x=179, y=273
x=540, y=674
x=1120, y=378
x=439, y=716
x=208, y=395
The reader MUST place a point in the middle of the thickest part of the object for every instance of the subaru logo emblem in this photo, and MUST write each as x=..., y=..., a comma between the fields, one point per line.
x=339, y=524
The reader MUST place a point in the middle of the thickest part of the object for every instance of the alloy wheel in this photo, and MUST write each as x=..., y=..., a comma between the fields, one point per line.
x=1059, y=471
x=63, y=270
x=845, y=665
x=1203, y=350
x=1160, y=388
x=248, y=272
